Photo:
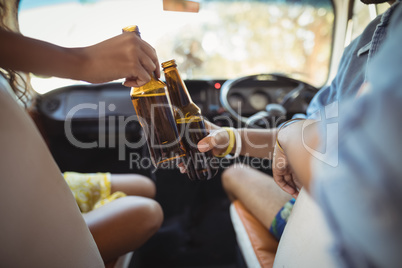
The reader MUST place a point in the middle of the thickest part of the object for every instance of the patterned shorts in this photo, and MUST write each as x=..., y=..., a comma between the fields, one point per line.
x=91, y=190
x=281, y=219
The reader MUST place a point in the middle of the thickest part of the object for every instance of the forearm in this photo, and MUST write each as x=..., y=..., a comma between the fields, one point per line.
x=258, y=142
x=296, y=140
x=30, y=55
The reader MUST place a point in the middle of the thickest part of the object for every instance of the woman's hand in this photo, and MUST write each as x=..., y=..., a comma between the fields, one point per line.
x=124, y=56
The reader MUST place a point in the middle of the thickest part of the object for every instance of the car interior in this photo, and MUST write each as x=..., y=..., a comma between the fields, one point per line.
x=246, y=63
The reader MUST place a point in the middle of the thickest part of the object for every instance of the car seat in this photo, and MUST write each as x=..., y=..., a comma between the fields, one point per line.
x=41, y=225
x=306, y=240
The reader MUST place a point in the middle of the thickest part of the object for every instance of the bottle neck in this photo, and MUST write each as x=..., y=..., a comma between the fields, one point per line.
x=178, y=92
x=153, y=76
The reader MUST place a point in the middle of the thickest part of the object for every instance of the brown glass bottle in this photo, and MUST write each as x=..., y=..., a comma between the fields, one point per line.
x=153, y=108
x=190, y=125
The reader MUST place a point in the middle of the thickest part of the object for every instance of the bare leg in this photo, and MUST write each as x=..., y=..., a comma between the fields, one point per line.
x=123, y=225
x=133, y=184
x=257, y=191
x=259, y=194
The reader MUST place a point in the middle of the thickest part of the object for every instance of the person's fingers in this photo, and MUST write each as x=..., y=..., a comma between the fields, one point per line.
x=141, y=76
x=150, y=53
x=130, y=82
x=183, y=169
x=217, y=141
x=282, y=183
x=289, y=180
x=148, y=64
x=220, y=142
x=289, y=189
x=298, y=184
x=142, y=58
x=210, y=126
x=206, y=144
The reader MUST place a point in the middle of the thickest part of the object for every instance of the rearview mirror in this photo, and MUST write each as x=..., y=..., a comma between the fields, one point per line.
x=181, y=6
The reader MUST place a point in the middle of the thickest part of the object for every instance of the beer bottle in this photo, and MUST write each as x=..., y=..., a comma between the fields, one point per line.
x=151, y=103
x=190, y=125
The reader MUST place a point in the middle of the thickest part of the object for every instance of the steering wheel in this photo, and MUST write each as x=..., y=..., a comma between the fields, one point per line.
x=266, y=80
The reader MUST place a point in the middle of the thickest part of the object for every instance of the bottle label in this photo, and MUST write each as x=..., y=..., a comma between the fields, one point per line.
x=147, y=95
x=189, y=119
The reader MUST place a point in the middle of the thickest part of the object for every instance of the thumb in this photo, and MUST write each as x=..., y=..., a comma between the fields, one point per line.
x=206, y=144
x=210, y=126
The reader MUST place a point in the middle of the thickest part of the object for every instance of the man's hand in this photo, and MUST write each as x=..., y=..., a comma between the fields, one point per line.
x=217, y=141
x=283, y=173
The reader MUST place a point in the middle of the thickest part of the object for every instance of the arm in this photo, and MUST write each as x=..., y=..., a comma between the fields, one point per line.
x=255, y=142
x=258, y=142
x=296, y=140
x=123, y=56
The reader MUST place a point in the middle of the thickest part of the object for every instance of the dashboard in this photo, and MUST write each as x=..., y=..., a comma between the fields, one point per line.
x=253, y=98
x=104, y=115
x=249, y=95
x=87, y=104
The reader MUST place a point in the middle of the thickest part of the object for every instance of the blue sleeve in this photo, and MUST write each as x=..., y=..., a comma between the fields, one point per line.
x=344, y=84
x=386, y=70
x=361, y=195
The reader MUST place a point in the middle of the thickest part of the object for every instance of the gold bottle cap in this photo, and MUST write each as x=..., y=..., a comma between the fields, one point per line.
x=169, y=63
x=132, y=28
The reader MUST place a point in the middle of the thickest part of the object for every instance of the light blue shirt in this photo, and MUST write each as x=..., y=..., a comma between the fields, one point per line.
x=352, y=69
x=361, y=197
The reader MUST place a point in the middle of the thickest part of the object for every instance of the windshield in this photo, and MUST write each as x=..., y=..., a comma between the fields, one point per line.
x=223, y=40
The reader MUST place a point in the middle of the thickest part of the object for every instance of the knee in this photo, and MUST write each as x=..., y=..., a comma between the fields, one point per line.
x=134, y=184
x=155, y=216
x=148, y=213
x=148, y=186
x=231, y=177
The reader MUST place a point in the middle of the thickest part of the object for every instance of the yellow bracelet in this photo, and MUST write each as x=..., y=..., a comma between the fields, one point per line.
x=284, y=125
x=231, y=142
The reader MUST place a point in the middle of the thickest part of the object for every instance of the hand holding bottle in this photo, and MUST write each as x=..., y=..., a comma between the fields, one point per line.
x=190, y=125
x=217, y=140
x=124, y=56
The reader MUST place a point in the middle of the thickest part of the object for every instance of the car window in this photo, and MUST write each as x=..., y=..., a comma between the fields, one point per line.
x=363, y=14
x=224, y=40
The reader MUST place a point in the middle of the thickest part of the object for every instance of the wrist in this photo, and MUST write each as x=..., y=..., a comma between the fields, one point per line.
x=80, y=64
x=234, y=143
x=242, y=142
x=282, y=134
x=231, y=141
x=281, y=140
x=237, y=148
